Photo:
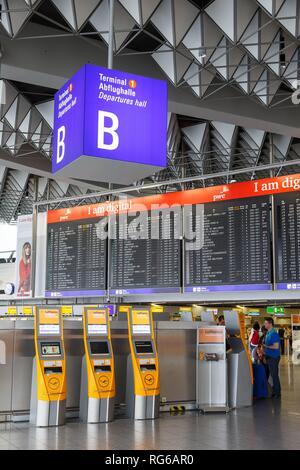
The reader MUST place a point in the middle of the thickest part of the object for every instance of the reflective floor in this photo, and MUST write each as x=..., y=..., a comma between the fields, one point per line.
x=269, y=424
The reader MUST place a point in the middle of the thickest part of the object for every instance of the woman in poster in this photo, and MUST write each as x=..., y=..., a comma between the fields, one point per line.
x=25, y=270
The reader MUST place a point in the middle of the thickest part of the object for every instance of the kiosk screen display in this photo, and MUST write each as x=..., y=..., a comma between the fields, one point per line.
x=143, y=347
x=50, y=349
x=99, y=347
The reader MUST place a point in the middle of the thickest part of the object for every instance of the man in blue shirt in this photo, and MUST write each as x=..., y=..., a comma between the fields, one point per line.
x=272, y=354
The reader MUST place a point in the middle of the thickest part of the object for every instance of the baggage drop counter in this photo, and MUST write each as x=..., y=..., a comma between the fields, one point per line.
x=176, y=345
x=18, y=351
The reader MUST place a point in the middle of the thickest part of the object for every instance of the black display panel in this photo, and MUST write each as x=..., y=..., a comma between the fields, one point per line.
x=287, y=241
x=143, y=347
x=149, y=262
x=232, y=249
x=99, y=347
x=76, y=259
x=50, y=349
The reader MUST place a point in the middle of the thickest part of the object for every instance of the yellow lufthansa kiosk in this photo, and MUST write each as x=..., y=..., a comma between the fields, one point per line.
x=48, y=391
x=143, y=389
x=98, y=372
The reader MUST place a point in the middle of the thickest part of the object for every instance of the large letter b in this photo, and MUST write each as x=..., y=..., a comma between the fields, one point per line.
x=102, y=130
x=60, y=153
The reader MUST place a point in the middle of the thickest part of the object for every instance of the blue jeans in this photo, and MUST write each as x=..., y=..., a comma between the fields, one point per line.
x=273, y=366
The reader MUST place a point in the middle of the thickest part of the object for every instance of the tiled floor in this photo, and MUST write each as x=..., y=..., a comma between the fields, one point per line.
x=269, y=424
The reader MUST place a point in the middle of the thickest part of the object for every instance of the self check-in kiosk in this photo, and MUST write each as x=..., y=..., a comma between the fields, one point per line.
x=48, y=390
x=240, y=374
x=98, y=374
x=143, y=389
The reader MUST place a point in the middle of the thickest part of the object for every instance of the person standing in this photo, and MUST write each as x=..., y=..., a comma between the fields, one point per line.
x=281, y=333
x=254, y=337
x=272, y=355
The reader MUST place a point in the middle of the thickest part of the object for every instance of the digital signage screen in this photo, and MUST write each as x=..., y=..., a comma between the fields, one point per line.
x=228, y=246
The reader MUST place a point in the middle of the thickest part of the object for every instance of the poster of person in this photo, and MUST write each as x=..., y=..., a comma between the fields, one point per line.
x=23, y=257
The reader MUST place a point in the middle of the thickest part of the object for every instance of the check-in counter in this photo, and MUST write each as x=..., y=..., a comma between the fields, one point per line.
x=176, y=345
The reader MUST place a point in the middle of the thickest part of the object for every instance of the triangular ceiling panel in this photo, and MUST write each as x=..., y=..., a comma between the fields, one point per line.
x=223, y=14
x=8, y=94
x=195, y=135
x=19, y=13
x=288, y=14
x=250, y=37
x=244, y=13
x=225, y=130
x=219, y=58
x=173, y=18
x=241, y=75
x=272, y=57
x=199, y=79
x=202, y=38
x=23, y=108
x=184, y=16
x=148, y=7
x=66, y=8
x=11, y=115
x=134, y=9
x=266, y=87
x=164, y=57
x=282, y=143
x=5, y=18
x=182, y=63
x=47, y=111
x=25, y=124
x=256, y=135
x=122, y=22
x=292, y=71
x=83, y=10
x=267, y=4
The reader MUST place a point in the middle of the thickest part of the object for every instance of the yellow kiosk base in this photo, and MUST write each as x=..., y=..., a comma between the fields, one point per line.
x=45, y=413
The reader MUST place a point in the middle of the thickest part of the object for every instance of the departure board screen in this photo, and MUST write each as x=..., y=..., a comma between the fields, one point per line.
x=76, y=259
x=146, y=253
x=227, y=246
x=287, y=239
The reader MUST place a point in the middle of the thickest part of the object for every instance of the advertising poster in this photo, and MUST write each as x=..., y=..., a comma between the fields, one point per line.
x=24, y=256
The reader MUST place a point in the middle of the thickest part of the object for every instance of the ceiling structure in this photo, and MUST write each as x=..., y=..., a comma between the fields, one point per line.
x=232, y=66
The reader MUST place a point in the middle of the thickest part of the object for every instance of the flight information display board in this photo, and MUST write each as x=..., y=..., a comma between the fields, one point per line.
x=151, y=264
x=287, y=241
x=232, y=249
x=76, y=259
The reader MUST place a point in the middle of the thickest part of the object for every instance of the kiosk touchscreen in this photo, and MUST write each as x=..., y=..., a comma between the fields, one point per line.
x=98, y=374
x=143, y=390
x=48, y=390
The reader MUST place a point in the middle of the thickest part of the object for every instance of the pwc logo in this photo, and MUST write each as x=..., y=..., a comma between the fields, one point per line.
x=132, y=84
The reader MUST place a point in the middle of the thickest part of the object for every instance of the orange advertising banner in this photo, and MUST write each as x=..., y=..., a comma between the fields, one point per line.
x=227, y=192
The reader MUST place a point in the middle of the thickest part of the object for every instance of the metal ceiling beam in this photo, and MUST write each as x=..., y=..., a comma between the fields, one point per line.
x=179, y=181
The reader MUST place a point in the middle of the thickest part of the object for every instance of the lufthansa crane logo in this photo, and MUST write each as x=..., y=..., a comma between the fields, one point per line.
x=149, y=379
x=53, y=383
x=103, y=381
